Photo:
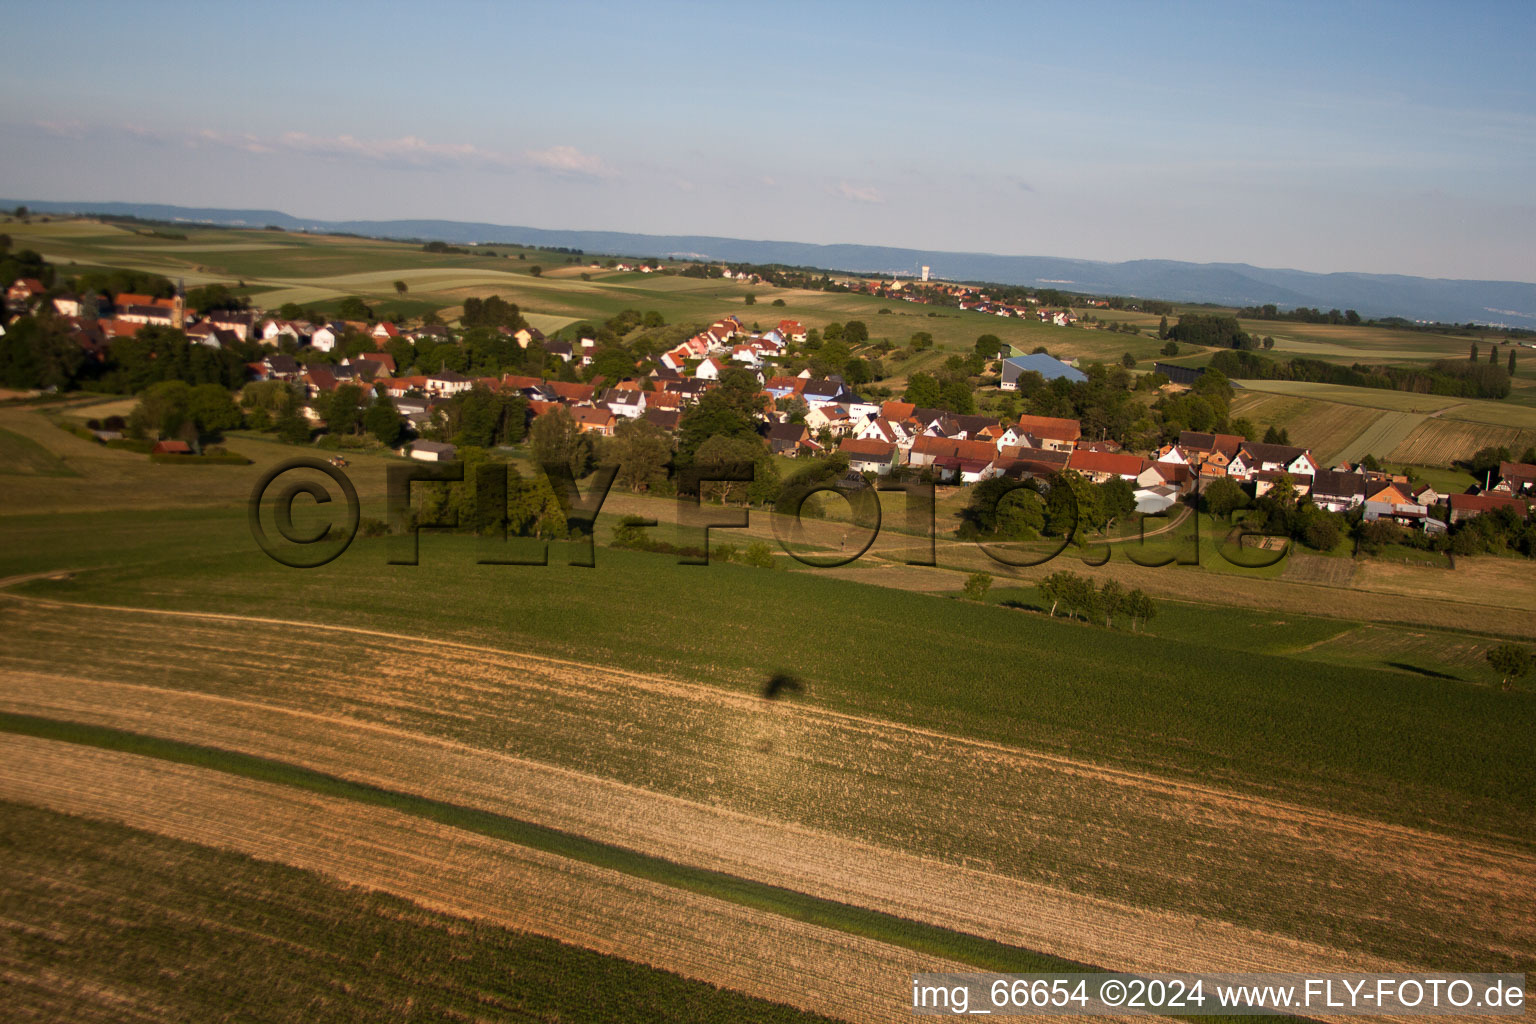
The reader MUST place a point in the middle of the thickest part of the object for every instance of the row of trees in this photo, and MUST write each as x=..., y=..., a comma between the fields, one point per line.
x=1078, y=596
x=1452, y=377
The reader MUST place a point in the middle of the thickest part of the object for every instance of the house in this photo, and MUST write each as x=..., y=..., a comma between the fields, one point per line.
x=207, y=334
x=1264, y=480
x=68, y=304
x=878, y=428
x=1516, y=478
x=789, y=439
x=792, y=330
x=241, y=325
x=560, y=350
x=1048, y=367
x=666, y=419
x=624, y=402
x=327, y=336
x=927, y=450
x=384, y=331
x=446, y=382
x=524, y=336
x=1099, y=467
x=709, y=369
x=1336, y=491
x=590, y=420
x=869, y=456
x=383, y=360
x=433, y=451
x=832, y=418
x=171, y=448
x=1200, y=447
x=1422, y=495
x=1055, y=433
x=23, y=290
x=1470, y=506
x=826, y=392
x=1253, y=457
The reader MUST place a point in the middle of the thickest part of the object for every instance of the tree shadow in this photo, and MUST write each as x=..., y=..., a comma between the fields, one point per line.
x=1416, y=670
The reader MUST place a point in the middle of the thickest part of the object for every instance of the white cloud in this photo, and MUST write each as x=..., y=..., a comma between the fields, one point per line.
x=407, y=151
x=856, y=193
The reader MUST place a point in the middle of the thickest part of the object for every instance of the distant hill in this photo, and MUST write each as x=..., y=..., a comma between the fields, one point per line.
x=1230, y=284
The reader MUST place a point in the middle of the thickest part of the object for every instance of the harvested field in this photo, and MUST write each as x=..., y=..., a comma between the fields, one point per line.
x=1325, y=427
x=472, y=876
x=1095, y=865
x=107, y=923
x=1441, y=441
x=1382, y=436
x=1473, y=578
x=1333, y=572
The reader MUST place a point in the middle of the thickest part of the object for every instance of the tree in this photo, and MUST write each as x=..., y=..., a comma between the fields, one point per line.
x=354, y=308
x=641, y=450
x=1128, y=361
x=292, y=427
x=1493, y=356
x=1269, y=342
x=383, y=422
x=1112, y=598
x=1171, y=349
x=1162, y=330
x=988, y=346
x=751, y=299
x=1223, y=496
x=401, y=287
x=1473, y=356
x=977, y=584
x=922, y=391
x=557, y=441
x=1277, y=435
x=920, y=340
x=1117, y=499
x=1511, y=662
x=1511, y=362
x=1141, y=607
x=213, y=409
x=536, y=270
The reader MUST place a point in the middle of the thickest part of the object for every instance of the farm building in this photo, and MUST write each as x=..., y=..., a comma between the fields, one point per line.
x=1046, y=366
x=433, y=451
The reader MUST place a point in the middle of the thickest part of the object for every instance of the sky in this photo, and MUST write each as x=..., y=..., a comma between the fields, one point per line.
x=1383, y=138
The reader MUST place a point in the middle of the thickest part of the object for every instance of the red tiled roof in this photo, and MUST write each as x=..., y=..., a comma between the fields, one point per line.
x=866, y=449
x=1052, y=427
x=1106, y=462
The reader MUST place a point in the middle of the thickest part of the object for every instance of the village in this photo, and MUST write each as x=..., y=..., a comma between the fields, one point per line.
x=799, y=416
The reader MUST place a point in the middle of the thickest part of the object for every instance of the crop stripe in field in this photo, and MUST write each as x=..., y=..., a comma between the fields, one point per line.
x=985, y=954
x=1172, y=783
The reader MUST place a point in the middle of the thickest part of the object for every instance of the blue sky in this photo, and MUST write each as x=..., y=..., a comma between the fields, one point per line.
x=1395, y=138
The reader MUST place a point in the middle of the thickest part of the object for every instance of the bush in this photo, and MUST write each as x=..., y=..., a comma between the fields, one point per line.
x=758, y=555
x=370, y=527
x=977, y=584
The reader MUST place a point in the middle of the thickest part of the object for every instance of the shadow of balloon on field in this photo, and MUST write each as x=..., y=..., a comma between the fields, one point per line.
x=779, y=684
